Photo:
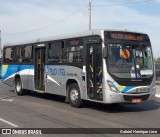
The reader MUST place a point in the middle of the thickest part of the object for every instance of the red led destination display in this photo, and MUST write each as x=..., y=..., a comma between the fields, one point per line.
x=126, y=36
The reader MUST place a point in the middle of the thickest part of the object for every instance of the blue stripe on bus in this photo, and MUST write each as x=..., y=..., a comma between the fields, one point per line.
x=123, y=89
x=8, y=70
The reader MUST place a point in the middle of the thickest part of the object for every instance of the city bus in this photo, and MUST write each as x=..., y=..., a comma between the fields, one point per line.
x=106, y=66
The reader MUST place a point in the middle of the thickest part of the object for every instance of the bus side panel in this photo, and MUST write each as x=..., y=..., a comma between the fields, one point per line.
x=8, y=74
x=30, y=79
x=55, y=82
x=26, y=73
x=57, y=77
x=10, y=71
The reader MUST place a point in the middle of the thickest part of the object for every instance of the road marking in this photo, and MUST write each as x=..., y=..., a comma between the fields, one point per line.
x=158, y=95
x=7, y=122
x=8, y=100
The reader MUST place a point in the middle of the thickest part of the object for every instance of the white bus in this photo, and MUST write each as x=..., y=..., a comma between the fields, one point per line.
x=104, y=66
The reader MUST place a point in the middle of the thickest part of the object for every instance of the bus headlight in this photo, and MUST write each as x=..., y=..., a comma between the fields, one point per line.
x=112, y=86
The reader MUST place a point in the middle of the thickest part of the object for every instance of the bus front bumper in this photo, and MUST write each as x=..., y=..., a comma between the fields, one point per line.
x=128, y=98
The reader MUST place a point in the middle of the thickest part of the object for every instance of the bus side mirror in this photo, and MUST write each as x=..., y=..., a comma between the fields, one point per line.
x=105, y=52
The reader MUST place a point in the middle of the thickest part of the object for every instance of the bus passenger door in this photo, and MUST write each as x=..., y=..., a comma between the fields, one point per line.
x=94, y=71
x=40, y=69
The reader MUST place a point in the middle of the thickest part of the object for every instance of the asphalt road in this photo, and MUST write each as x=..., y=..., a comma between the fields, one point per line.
x=49, y=111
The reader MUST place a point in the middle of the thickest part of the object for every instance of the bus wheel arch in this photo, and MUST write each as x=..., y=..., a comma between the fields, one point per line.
x=73, y=95
x=18, y=85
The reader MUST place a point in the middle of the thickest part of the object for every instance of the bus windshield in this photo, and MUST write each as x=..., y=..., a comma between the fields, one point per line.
x=132, y=61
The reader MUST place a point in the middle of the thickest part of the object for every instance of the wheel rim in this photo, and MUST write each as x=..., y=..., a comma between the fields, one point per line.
x=18, y=86
x=74, y=95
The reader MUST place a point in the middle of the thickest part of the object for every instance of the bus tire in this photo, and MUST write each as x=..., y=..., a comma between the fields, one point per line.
x=74, y=96
x=18, y=87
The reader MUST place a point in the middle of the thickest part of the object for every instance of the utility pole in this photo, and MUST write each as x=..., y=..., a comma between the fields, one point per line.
x=90, y=23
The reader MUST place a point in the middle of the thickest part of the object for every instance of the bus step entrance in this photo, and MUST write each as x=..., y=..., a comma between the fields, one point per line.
x=40, y=91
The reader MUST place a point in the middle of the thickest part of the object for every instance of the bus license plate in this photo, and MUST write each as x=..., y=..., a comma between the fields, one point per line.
x=137, y=100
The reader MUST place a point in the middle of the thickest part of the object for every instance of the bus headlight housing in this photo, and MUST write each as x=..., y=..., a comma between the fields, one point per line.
x=112, y=86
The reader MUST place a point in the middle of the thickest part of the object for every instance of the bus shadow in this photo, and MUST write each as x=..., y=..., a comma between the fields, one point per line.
x=46, y=96
x=120, y=108
x=109, y=108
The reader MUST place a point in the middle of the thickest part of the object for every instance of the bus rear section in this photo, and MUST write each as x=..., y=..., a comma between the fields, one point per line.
x=18, y=66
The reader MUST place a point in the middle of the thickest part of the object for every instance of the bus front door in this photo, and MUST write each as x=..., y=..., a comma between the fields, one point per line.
x=94, y=71
x=39, y=69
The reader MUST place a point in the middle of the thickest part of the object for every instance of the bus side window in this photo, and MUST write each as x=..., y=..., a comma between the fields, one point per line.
x=8, y=55
x=27, y=54
x=74, y=51
x=55, y=53
x=18, y=55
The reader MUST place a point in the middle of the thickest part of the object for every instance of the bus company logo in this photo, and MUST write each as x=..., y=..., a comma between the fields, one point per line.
x=6, y=131
x=56, y=71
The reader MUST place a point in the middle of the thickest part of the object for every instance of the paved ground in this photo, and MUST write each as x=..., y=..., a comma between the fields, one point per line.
x=50, y=111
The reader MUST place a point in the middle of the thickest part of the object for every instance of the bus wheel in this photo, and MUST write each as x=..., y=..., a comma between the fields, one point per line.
x=18, y=87
x=74, y=96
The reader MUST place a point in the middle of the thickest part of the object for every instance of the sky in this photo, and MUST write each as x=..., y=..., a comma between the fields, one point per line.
x=22, y=20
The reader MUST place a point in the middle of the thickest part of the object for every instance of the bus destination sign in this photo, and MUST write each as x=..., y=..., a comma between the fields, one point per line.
x=126, y=36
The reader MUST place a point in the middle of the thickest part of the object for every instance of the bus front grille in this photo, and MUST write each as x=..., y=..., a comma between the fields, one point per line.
x=130, y=98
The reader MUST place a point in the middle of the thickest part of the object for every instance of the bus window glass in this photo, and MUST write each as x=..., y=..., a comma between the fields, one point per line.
x=125, y=60
x=74, y=51
x=14, y=54
x=55, y=52
x=17, y=54
x=8, y=55
x=27, y=54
